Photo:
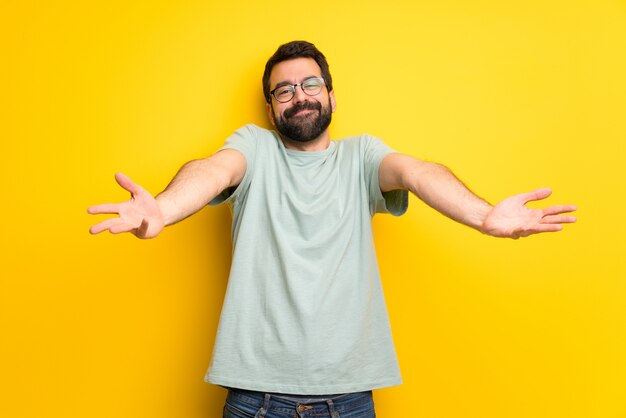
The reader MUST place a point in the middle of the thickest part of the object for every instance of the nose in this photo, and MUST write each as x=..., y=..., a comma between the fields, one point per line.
x=299, y=95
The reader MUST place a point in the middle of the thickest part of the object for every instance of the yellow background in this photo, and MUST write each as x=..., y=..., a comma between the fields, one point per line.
x=511, y=95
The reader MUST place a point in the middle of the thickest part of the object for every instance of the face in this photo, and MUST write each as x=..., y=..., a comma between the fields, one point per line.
x=304, y=118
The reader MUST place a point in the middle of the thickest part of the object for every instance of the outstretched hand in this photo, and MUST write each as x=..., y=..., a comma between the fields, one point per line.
x=140, y=215
x=512, y=219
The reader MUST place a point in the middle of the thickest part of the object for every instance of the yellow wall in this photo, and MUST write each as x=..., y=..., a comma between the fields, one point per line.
x=512, y=95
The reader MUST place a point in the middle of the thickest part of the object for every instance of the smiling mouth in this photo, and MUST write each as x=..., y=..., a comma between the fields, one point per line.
x=303, y=112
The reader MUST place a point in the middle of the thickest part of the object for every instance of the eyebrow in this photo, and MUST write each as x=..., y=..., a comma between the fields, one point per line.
x=286, y=83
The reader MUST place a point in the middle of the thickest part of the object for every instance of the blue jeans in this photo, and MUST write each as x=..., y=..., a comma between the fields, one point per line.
x=247, y=404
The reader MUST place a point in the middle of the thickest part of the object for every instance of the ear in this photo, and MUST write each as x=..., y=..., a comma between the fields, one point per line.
x=270, y=113
x=333, y=104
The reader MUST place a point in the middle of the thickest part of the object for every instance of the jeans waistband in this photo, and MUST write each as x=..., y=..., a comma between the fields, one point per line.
x=261, y=399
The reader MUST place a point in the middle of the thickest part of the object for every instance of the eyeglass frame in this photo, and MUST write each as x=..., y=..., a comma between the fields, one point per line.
x=295, y=86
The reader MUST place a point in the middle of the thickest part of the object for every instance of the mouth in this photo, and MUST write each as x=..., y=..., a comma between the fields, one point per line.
x=302, y=110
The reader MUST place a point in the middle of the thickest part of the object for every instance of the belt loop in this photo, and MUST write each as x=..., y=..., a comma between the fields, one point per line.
x=265, y=407
x=331, y=409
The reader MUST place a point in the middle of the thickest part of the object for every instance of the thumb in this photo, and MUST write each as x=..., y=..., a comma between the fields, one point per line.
x=538, y=194
x=127, y=184
x=142, y=231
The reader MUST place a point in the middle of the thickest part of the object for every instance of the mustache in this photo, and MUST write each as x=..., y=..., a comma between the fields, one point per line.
x=302, y=106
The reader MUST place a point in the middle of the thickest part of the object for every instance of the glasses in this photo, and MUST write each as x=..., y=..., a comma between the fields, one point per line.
x=311, y=87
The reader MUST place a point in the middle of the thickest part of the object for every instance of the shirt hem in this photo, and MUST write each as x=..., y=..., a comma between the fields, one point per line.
x=300, y=389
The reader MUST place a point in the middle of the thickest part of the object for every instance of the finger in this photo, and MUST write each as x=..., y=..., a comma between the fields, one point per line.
x=143, y=228
x=558, y=219
x=104, y=208
x=103, y=226
x=538, y=194
x=118, y=228
x=555, y=210
x=127, y=184
x=542, y=228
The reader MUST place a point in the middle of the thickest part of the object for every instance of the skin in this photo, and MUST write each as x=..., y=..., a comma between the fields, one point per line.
x=199, y=181
x=294, y=72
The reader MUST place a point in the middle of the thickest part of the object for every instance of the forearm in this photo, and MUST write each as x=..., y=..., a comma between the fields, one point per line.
x=438, y=187
x=197, y=183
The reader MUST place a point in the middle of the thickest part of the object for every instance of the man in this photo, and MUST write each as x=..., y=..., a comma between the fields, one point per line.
x=304, y=329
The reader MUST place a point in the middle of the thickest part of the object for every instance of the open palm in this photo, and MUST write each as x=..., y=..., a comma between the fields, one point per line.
x=140, y=215
x=511, y=218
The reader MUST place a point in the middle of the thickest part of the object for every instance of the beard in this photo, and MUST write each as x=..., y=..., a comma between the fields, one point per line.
x=307, y=127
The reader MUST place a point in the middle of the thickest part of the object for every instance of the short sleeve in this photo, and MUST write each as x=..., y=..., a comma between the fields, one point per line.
x=245, y=141
x=394, y=202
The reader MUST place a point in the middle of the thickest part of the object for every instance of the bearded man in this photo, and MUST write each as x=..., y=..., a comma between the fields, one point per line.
x=304, y=329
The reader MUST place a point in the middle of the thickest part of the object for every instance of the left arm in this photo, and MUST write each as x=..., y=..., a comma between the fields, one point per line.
x=438, y=187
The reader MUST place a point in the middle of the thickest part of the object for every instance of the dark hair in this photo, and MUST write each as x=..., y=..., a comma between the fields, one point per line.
x=293, y=50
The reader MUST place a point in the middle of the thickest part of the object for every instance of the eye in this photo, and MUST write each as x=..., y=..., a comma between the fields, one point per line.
x=284, y=91
x=311, y=84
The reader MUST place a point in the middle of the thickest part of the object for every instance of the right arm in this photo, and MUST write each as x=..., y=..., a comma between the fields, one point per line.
x=194, y=186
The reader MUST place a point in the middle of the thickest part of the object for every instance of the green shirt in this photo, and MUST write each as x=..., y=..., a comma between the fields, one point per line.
x=304, y=311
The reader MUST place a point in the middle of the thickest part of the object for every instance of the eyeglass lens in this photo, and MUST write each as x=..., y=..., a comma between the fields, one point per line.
x=311, y=87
